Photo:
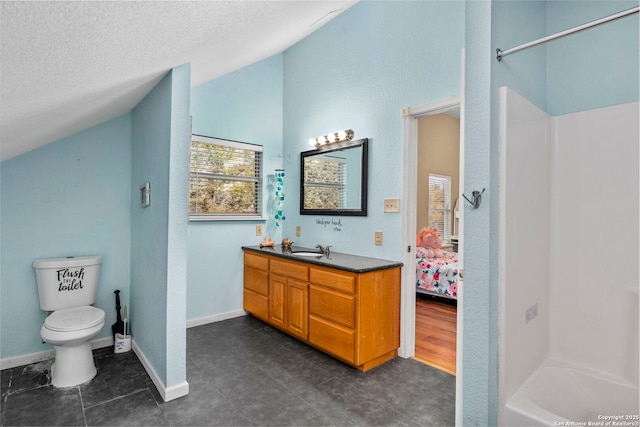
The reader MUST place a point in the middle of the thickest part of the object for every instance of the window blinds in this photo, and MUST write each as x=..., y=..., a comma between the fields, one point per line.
x=225, y=179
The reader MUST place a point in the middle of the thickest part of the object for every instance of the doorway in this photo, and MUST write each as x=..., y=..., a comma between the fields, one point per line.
x=411, y=116
x=437, y=209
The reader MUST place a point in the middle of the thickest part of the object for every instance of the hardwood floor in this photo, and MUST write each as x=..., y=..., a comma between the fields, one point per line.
x=436, y=334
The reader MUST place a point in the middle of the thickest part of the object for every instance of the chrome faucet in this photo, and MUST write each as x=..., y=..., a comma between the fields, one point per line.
x=324, y=249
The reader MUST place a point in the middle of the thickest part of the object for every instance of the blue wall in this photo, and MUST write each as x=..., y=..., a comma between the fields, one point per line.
x=246, y=106
x=160, y=147
x=79, y=196
x=594, y=68
x=70, y=197
x=358, y=72
x=582, y=74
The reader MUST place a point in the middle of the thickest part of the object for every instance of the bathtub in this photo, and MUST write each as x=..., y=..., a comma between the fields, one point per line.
x=559, y=394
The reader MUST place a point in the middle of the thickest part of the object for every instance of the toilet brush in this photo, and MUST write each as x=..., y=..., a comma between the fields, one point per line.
x=125, y=321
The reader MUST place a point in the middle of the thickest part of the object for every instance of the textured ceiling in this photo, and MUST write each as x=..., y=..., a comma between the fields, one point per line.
x=67, y=66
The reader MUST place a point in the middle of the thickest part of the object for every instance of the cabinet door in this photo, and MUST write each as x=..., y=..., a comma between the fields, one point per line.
x=277, y=301
x=298, y=308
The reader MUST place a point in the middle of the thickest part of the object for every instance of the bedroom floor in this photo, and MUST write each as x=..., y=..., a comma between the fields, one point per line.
x=241, y=372
x=436, y=333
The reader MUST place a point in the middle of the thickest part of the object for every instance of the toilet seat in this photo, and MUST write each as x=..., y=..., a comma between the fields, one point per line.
x=74, y=319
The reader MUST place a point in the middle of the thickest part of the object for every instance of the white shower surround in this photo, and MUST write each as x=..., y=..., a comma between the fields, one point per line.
x=572, y=254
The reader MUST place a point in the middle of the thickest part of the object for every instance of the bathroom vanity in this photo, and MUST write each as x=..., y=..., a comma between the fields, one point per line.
x=345, y=305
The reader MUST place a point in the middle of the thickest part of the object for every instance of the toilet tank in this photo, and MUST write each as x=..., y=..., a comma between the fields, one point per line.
x=67, y=282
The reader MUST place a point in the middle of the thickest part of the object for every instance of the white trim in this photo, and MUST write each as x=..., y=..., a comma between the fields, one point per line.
x=176, y=391
x=215, y=318
x=167, y=393
x=201, y=217
x=503, y=95
x=212, y=140
x=102, y=342
x=409, y=207
x=27, y=359
x=461, y=240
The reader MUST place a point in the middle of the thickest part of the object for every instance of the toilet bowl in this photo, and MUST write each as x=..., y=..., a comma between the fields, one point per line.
x=67, y=286
x=70, y=332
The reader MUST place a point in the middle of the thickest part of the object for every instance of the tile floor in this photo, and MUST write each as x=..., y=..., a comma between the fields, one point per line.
x=241, y=372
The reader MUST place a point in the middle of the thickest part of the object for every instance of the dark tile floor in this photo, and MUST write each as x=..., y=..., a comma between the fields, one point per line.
x=241, y=372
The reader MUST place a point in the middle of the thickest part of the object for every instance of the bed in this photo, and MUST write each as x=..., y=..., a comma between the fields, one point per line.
x=437, y=276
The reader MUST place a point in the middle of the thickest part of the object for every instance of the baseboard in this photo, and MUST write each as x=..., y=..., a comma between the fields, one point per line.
x=167, y=393
x=215, y=318
x=27, y=359
x=102, y=342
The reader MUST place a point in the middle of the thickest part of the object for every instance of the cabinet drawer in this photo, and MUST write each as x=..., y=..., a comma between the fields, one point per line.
x=256, y=261
x=332, y=305
x=290, y=269
x=332, y=338
x=342, y=281
x=256, y=281
x=256, y=305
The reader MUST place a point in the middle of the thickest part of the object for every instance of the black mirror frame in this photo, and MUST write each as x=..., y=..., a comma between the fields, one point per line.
x=337, y=146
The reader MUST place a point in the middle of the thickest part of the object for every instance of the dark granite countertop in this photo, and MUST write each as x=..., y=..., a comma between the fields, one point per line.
x=353, y=263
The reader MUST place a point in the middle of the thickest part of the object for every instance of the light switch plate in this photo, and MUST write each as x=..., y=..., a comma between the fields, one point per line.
x=392, y=205
x=378, y=238
x=298, y=230
x=258, y=230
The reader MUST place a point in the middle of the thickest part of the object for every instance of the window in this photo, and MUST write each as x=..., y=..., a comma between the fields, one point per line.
x=225, y=179
x=440, y=205
x=324, y=182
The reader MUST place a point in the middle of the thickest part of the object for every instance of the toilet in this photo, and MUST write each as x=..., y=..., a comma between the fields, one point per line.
x=67, y=287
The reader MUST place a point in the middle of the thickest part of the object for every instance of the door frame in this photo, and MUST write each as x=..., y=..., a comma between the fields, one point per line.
x=410, y=116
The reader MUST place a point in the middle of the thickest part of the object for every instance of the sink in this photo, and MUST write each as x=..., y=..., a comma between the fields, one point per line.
x=307, y=253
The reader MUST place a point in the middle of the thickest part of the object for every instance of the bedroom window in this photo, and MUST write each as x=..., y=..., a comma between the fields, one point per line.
x=225, y=180
x=324, y=183
x=440, y=205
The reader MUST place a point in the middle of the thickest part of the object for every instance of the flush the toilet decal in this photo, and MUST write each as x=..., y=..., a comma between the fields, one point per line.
x=70, y=279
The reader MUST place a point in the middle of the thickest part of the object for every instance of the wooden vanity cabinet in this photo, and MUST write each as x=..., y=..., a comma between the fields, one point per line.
x=354, y=317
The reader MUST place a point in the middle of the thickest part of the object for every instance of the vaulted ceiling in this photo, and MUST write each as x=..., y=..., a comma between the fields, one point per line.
x=67, y=66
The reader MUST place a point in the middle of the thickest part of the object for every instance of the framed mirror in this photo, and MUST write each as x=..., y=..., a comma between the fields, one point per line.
x=333, y=179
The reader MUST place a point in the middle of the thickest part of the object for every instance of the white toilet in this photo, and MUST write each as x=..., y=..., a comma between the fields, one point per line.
x=68, y=287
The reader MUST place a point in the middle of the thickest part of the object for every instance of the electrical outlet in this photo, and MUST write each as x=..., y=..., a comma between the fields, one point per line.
x=378, y=238
x=531, y=313
x=298, y=229
x=392, y=205
x=258, y=230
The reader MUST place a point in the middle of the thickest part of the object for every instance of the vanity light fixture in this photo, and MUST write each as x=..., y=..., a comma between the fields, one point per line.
x=343, y=135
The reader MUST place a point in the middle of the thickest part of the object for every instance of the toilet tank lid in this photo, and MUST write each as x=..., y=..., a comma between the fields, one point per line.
x=77, y=261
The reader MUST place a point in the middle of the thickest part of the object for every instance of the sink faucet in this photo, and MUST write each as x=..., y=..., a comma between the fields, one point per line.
x=324, y=249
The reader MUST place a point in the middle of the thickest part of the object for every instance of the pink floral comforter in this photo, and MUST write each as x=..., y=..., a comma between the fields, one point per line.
x=437, y=275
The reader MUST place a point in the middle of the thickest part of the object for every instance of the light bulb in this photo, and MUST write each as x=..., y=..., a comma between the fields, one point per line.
x=312, y=142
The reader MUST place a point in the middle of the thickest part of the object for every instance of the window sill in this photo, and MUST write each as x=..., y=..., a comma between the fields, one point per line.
x=200, y=218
